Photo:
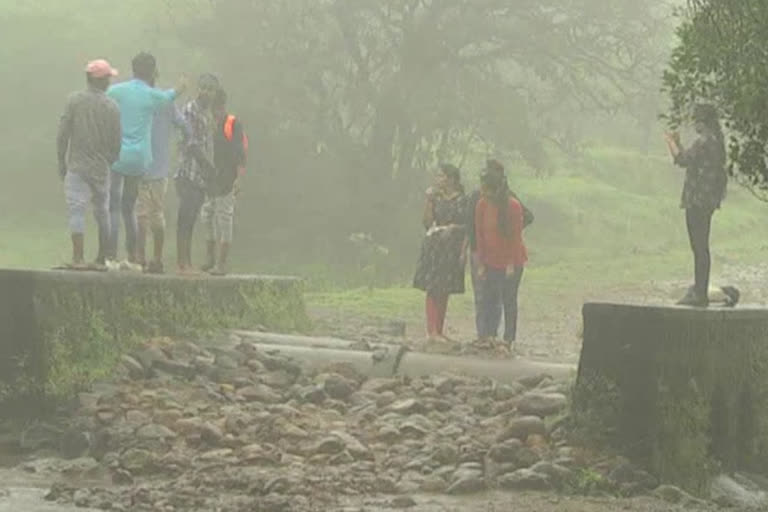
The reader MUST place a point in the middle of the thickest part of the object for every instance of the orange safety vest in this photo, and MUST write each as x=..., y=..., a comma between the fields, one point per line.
x=229, y=129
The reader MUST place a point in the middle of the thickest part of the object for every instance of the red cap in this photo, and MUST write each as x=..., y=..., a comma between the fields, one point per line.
x=100, y=68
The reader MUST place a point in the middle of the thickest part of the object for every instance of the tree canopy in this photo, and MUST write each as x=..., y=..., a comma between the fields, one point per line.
x=722, y=58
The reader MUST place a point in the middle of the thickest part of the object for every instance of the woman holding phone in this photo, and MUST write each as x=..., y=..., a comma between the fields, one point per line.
x=703, y=192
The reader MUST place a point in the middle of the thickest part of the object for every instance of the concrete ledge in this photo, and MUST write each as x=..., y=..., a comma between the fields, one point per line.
x=59, y=330
x=682, y=391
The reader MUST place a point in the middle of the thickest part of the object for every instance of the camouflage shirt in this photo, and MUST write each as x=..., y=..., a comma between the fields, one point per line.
x=89, y=135
x=705, y=175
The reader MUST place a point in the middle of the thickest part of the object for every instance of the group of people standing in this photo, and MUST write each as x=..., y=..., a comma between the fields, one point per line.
x=114, y=151
x=485, y=229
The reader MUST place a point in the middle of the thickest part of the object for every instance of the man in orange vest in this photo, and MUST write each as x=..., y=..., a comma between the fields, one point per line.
x=230, y=146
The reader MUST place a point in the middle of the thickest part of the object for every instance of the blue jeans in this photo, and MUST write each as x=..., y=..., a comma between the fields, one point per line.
x=123, y=192
x=497, y=292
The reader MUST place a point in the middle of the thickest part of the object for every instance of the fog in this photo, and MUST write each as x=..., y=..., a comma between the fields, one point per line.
x=349, y=106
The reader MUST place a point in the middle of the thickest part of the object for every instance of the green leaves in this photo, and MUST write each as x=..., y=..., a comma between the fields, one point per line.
x=722, y=58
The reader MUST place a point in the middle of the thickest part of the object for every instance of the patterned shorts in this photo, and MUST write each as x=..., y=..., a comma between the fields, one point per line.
x=150, y=205
x=218, y=217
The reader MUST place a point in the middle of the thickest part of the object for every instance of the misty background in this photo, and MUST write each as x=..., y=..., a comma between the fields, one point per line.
x=349, y=107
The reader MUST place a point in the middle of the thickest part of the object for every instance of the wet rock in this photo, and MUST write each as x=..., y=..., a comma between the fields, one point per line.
x=445, y=454
x=330, y=446
x=380, y=385
x=534, y=380
x=521, y=428
x=122, y=477
x=403, y=502
x=136, y=460
x=557, y=474
x=74, y=443
x=433, y=484
x=154, y=431
x=506, y=392
x=189, y=426
x=416, y=426
x=388, y=434
x=467, y=482
x=259, y=393
x=218, y=455
x=407, y=407
x=133, y=367
x=148, y=355
x=525, y=480
x=542, y=404
x=337, y=387
x=506, y=452
x=168, y=417
x=211, y=434
x=312, y=394
x=445, y=384
x=386, y=398
x=353, y=445
x=137, y=418
x=278, y=379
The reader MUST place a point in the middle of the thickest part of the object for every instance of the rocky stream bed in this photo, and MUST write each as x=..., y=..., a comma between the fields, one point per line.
x=184, y=427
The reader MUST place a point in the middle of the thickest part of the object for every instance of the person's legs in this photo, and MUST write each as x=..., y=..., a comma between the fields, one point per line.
x=490, y=295
x=77, y=193
x=224, y=212
x=128, y=204
x=100, y=199
x=115, y=201
x=511, y=289
x=155, y=192
x=208, y=219
x=143, y=208
x=442, y=310
x=476, y=288
x=431, y=313
x=184, y=222
x=699, y=222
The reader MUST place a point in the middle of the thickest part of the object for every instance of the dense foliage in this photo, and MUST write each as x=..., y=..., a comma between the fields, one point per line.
x=721, y=58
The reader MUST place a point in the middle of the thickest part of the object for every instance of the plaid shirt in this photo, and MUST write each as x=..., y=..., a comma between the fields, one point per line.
x=200, y=123
x=89, y=135
x=705, y=175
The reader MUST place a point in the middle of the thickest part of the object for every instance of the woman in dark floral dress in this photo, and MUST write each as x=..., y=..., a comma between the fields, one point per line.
x=440, y=271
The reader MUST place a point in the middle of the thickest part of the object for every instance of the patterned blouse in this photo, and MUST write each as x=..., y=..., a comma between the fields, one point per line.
x=200, y=123
x=705, y=175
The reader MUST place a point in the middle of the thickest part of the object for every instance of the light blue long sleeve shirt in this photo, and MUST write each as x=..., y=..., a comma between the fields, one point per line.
x=166, y=119
x=138, y=102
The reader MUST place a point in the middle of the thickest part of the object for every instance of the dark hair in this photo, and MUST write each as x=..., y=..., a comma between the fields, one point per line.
x=494, y=165
x=144, y=66
x=208, y=81
x=499, y=196
x=101, y=84
x=219, y=99
x=707, y=115
x=454, y=174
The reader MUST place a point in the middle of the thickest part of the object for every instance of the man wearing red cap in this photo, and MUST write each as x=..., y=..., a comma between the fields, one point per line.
x=88, y=143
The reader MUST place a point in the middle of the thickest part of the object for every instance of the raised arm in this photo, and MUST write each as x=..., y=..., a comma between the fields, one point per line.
x=694, y=156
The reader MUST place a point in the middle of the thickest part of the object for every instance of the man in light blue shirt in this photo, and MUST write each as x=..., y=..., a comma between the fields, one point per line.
x=150, y=206
x=138, y=102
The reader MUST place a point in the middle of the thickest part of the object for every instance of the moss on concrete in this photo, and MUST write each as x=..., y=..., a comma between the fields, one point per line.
x=68, y=329
x=692, y=388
